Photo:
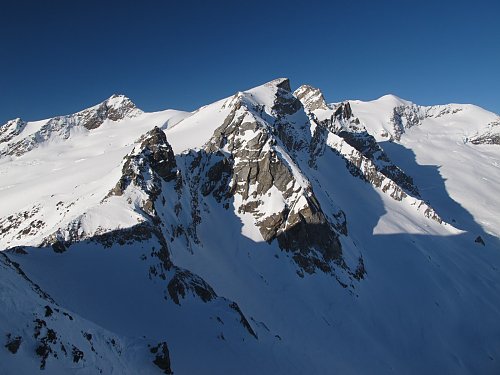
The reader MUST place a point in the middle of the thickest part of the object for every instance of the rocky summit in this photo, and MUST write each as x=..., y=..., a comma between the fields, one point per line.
x=270, y=232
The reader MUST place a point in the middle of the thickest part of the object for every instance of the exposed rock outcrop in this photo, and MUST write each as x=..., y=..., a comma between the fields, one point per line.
x=116, y=108
x=404, y=117
x=341, y=121
x=491, y=136
x=184, y=281
x=311, y=97
x=162, y=357
x=150, y=162
x=11, y=129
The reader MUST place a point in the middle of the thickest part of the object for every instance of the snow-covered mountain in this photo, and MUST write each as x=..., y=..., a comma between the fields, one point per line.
x=269, y=232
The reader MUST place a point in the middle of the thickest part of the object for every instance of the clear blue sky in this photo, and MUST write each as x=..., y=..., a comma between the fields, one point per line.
x=57, y=57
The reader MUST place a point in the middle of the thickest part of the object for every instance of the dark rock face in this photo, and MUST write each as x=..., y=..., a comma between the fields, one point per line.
x=14, y=223
x=107, y=110
x=243, y=320
x=405, y=117
x=285, y=103
x=159, y=154
x=343, y=111
x=184, y=281
x=218, y=177
x=369, y=148
x=487, y=139
x=309, y=228
x=153, y=160
x=479, y=240
x=280, y=83
x=162, y=357
x=58, y=247
x=256, y=168
x=364, y=143
x=13, y=343
x=125, y=236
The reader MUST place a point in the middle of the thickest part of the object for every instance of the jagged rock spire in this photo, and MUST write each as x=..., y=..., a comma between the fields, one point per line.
x=310, y=97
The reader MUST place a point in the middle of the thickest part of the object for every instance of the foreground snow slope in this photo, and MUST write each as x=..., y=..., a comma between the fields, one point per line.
x=269, y=232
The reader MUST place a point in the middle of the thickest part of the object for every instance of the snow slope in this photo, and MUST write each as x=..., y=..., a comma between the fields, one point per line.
x=436, y=150
x=268, y=232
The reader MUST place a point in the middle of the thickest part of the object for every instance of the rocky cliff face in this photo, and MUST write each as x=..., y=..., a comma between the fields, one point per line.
x=340, y=129
x=260, y=170
x=405, y=117
x=311, y=98
x=408, y=115
x=151, y=160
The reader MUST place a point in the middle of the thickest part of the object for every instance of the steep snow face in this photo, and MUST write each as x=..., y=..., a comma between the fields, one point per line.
x=251, y=236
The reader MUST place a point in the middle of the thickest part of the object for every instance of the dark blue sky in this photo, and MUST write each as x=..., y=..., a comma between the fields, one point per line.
x=57, y=57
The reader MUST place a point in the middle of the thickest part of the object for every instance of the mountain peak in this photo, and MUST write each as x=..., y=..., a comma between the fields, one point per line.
x=310, y=97
x=271, y=87
x=393, y=100
x=269, y=94
x=282, y=83
x=115, y=108
x=119, y=101
x=118, y=97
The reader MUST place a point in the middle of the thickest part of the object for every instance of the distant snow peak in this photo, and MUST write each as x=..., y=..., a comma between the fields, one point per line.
x=393, y=100
x=17, y=143
x=117, y=98
x=122, y=104
x=116, y=108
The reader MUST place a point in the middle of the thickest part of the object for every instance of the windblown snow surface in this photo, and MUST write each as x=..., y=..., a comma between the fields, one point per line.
x=266, y=233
